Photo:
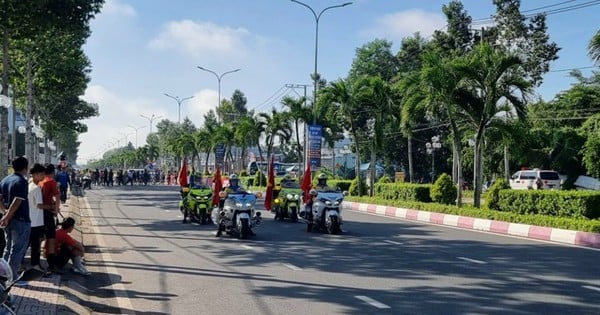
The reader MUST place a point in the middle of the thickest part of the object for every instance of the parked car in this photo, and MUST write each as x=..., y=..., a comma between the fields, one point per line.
x=526, y=179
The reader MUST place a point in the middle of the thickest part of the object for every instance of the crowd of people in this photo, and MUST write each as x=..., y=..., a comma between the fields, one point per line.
x=31, y=200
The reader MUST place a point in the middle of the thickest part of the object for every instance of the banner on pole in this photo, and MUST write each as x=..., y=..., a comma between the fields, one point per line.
x=315, y=135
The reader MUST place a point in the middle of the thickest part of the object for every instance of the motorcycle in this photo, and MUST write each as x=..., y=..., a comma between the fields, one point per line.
x=286, y=205
x=326, y=212
x=27, y=275
x=196, y=202
x=238, y=216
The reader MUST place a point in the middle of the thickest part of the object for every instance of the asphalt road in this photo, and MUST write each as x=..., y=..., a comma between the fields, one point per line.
x=145, y=261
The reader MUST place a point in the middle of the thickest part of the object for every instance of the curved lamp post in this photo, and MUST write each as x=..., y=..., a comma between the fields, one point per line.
x=179, y=101
x=150, y=119
x=219, y=77
x=317, y=18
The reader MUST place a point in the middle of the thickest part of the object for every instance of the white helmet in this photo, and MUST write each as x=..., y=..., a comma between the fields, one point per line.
x=6, y=273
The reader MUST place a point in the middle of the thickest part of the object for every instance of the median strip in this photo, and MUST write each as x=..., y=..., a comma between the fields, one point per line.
x=371, y=302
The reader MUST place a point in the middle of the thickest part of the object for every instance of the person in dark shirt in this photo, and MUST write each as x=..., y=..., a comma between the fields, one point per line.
x=14, y=191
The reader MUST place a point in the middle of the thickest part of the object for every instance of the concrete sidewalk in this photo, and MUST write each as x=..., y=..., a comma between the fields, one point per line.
x=56, y=294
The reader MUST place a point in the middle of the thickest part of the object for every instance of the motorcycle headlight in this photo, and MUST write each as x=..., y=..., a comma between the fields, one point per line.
x=296, y=197
x=289, y=196
x=337, y=203
x=249, y=204
x=326, y=202
x=238, y=205
x=277, y=200
x=205, y=197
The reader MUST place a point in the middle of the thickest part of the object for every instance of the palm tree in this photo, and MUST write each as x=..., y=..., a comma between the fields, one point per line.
x=489, y=85
x=275, y=125
x=594, y=47
x=342, y=96
x=245, y=132
x=297, y=113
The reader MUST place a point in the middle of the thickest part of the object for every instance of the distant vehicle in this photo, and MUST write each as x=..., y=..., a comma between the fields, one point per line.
x=526, y=179
x=281, y=169
x=586, y=182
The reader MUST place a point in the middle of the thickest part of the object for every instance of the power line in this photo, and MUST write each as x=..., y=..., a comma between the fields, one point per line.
x=571, y=69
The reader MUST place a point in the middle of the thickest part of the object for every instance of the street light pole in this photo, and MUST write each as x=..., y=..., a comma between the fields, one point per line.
x=219, y=77
x=150, y=119
x=179, y=101
x=317, y=18
x=136, y=133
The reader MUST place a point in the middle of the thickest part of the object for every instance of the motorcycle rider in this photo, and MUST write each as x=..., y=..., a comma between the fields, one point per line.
x=308, y=213
x=234, y=187
x=322, y=182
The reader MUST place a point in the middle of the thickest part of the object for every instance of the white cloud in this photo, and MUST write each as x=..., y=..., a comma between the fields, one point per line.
x=115, y=7
x=396, y=26
x=201, y=39
x=197, y=107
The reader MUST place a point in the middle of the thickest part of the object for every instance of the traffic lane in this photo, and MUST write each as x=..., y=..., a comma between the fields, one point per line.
x=415, y=266
x=163, y=263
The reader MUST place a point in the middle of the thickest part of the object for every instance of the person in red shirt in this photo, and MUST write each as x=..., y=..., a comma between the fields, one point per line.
x=68, y=248
x=50, y=196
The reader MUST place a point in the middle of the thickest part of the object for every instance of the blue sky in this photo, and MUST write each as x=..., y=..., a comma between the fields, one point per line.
x=140, y=49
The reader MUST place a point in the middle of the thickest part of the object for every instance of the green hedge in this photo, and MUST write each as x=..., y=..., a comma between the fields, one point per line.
x=404, y=191
x=581, y=224
x=568, y=203
x=343, y=185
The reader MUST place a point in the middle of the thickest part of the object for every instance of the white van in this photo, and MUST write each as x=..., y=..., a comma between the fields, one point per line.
x=525, y=179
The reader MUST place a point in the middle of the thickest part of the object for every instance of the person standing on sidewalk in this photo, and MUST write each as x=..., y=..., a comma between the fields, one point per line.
x=63, y=180
x=51, y=197
x=15, y=221
x=36, y=213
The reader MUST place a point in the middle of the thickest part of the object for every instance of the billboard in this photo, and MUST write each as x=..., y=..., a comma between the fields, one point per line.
x=315, y=135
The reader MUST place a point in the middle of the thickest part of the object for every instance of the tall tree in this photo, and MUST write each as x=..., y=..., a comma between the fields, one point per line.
x=594, y=47
x=297, y=114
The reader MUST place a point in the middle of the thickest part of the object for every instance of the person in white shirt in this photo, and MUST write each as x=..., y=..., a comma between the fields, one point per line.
x=36, y=213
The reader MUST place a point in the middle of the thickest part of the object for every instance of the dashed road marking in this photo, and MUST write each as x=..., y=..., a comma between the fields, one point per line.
x=371, y=302
x=392, y=242
x=295, y=268
x=592, y=287
x=472, y=260
x=247, y=247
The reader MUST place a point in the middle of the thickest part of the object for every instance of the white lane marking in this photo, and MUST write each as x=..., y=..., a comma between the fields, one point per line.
x=247, y=247
x=392, y=242
x=472, y=260
x=295, y=268
x=118, y=288
x=167, y=210
x=372, y=302
x=591, y=287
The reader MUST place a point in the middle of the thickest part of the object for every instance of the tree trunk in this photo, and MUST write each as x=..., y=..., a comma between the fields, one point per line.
x=506, y=164
x=29, y=140
x=410, y=161
x=358, y=183
x=372, y=170
x=4, y=162
x=477, y=178
x=456, y=146
x=298, y=142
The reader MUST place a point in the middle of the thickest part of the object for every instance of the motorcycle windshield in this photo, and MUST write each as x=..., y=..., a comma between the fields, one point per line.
x=333, y=196
x=241, y=200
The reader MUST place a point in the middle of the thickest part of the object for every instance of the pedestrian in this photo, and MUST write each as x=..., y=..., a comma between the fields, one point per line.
x=51, y=197
x=15, y=221
x=36, y=213
x=68, y=248
x=63, y=180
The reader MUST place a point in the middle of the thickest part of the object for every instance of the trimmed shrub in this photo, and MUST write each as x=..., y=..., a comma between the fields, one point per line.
x=385, y=180
x=570, y=203
x=244, y=173
x=260, y=179
x=491, y=200
x=353, y=189
x=443, y=190
x=343, y=185
x=404, y=191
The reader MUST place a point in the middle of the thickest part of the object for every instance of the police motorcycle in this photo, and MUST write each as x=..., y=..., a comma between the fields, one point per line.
x=287, y=199
x=324, y=210
x=236, y=214
x=196, y=203
x=7, y=282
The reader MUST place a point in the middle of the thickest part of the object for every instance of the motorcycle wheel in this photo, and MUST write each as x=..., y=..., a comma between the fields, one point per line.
x=244, y=229
x=204, y=216
x=294, y=215
x=333, y=225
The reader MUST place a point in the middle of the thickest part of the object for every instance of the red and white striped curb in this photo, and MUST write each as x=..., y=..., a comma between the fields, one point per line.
x=586, y=239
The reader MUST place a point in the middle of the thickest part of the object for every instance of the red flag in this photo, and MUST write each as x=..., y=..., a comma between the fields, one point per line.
x=182, y=176
x=270, y=184
x=218, y=186
x=306, y=183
